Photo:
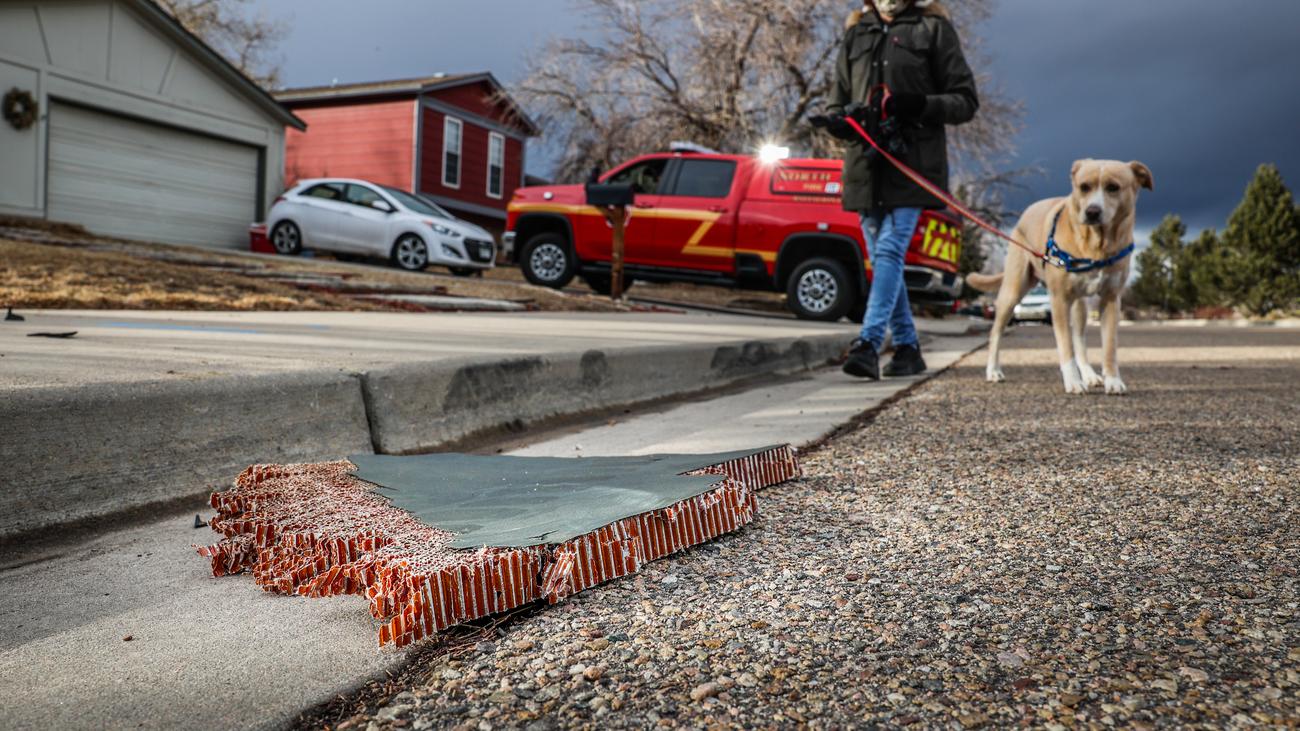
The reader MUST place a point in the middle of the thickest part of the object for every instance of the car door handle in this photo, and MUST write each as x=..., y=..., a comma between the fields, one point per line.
x=643, y=205
x=718, y=209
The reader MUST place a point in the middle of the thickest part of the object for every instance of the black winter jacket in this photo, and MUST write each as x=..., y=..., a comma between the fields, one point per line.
x=919, y=53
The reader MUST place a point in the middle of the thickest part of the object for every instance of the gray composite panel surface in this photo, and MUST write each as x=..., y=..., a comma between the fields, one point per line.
x=530, y=501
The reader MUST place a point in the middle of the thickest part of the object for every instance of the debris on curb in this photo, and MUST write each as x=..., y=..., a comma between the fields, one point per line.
x=317, y=530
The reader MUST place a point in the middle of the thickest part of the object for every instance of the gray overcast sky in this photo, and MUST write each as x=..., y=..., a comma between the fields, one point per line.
x=1200, y=94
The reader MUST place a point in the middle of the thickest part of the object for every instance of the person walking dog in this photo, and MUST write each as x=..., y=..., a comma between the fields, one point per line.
x=902, y=74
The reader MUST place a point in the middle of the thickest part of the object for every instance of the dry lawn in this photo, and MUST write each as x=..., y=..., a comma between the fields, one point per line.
x=58, y=266
x=41, y=276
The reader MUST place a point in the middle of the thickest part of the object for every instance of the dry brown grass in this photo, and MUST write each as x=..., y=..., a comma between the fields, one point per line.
x=60, y=266
x=60, y=277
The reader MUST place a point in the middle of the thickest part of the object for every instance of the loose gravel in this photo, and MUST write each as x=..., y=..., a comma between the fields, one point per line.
x=977, y=555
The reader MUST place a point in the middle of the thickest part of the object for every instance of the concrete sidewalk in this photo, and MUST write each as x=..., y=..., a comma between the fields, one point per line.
x=146, y=408
x=798, y=412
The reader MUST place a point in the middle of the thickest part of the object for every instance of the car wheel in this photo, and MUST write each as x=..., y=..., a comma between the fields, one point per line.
x=820, y=289
x=286, y=238
x=546, y=260
x=602, y=283
x=410, y=253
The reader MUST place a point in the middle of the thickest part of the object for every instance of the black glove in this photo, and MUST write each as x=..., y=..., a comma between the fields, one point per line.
x=905, y=106
x=834, y=125
x=861, y=114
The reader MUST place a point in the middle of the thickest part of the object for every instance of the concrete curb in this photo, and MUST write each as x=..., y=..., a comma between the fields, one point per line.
x=93, y=452
x=73, y=454
x=414, y=408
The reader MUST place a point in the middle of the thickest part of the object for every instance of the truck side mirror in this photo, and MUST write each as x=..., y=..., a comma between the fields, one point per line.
x=604, y=195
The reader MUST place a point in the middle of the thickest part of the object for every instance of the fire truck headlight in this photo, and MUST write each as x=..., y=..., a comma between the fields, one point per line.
x=769, y=154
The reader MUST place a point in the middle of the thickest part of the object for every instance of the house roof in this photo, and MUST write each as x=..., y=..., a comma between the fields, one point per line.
x=372, y=88
x=402, y=87
x=218, y=63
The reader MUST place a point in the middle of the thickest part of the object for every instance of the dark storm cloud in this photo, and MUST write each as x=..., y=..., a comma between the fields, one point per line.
x=391, y=39
x=1203, y=91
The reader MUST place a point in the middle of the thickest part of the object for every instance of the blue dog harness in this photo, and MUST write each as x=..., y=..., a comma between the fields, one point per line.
x=1057, y=256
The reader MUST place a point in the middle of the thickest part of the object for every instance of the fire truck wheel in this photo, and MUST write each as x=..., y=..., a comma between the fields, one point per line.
x=548, y=261
x=820, y=289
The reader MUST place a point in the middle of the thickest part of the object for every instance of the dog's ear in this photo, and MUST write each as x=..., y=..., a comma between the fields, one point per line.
x=1074, y=171
x=1143, y=174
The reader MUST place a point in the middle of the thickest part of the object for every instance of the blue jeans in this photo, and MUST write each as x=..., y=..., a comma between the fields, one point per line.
x=888, y=234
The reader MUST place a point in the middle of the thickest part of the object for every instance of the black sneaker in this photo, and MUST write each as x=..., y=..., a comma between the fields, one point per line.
x=907, y=361
x=863, y=361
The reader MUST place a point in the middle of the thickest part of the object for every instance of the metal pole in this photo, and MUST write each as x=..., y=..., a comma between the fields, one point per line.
x=617, y=216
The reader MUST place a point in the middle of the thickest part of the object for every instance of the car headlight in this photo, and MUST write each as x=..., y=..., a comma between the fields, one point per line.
x=438, y=228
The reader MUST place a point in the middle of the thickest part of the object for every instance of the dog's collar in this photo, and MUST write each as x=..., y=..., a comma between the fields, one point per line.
x=1057, y=256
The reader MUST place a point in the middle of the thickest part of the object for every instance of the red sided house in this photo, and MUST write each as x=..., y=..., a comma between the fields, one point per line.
x=457, y=139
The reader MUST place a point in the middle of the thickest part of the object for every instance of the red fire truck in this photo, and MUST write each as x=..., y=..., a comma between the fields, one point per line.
x=728, y=220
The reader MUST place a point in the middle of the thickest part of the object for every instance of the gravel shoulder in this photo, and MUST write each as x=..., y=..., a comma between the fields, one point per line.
x=975, y=555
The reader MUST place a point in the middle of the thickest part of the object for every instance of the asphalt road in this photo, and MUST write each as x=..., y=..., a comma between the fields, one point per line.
x=209, y=653
x=132, y=346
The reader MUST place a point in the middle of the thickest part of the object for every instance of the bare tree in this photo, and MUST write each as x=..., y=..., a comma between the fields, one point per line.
x=724, y=74
x=247, y=41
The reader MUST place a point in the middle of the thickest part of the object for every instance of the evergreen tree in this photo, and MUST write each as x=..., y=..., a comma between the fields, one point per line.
x=1158, y=264
x=1202, y=268
x=1260, y=248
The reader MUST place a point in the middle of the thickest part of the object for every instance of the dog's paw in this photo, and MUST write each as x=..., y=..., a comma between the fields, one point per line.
x=1072, y=379
x=1090, y=378
x=994, y=375
x=1115, y=386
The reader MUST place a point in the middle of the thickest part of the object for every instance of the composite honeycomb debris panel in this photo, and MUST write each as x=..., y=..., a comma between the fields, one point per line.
x=318, y=530
x=530, y=501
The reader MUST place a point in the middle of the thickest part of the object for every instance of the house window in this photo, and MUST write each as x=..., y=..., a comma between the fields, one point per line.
x=451, y=139
x=496, y=164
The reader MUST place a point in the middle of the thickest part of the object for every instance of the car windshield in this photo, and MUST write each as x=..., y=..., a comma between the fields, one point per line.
x=416, y=203
x=1039, y=291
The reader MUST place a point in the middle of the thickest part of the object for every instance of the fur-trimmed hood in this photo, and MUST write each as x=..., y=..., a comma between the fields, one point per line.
x=927, y=7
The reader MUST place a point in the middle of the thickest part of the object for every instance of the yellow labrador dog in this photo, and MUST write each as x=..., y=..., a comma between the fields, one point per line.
x=1087, y=239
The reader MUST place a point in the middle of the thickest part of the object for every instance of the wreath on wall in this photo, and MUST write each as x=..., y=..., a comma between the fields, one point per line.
x=20, y=109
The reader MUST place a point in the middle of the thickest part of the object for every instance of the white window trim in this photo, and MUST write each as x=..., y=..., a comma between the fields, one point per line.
x=447, y=123
x=501, y=179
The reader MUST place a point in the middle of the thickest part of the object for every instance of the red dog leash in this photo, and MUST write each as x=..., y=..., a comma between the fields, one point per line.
x=935, y=190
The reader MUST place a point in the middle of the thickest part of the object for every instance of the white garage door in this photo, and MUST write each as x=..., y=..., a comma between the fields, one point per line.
x=122, y=177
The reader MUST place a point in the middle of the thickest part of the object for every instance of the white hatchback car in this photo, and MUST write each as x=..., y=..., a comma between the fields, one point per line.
x=1036, y=305
x=360, y=218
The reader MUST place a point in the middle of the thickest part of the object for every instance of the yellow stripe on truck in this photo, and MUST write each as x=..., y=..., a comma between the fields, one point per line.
x=706, y=219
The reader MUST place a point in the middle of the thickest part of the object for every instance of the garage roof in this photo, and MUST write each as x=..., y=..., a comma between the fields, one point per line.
x=218, y=63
